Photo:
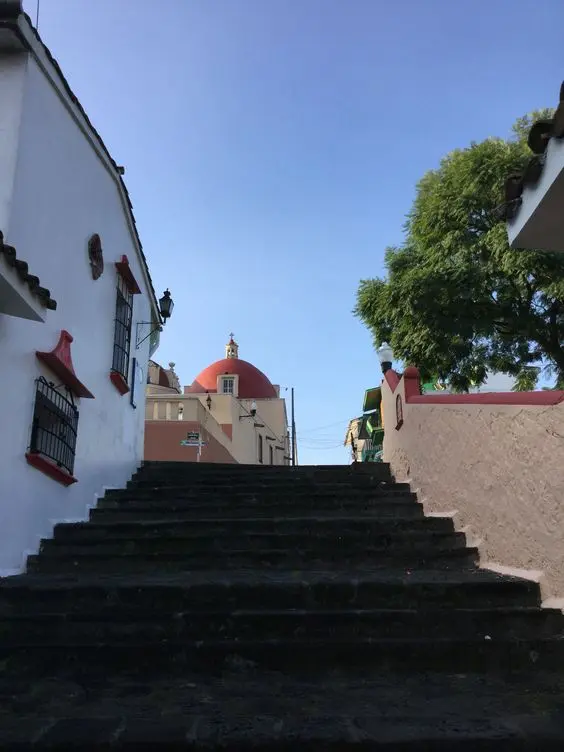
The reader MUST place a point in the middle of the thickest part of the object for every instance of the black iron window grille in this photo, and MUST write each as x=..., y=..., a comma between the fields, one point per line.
x=122, y=333
x=54, y=427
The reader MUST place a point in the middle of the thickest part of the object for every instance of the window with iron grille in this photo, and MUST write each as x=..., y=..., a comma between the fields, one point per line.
x=54, y=426
x=122, y=333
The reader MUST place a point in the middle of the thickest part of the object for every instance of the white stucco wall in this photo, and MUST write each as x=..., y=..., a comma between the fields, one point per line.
x=12, y=78
x=63, y=193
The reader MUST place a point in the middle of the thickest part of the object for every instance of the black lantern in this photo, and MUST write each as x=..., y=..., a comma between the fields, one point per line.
x=166, y=304
x=209, y=402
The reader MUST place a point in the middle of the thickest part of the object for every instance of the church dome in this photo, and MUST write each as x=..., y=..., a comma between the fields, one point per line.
x=253, y=384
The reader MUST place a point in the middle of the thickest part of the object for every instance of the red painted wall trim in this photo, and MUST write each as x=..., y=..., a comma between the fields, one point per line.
x=413, y=394
x=392, y=378
x=119, y=382
x=43, y=464
x=490, y=398
x=59, y=360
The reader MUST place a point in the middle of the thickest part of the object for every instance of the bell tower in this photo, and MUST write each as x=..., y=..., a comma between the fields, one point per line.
x=231, y=348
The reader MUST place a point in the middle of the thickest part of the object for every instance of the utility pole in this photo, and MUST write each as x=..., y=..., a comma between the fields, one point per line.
x=294, y=453
x=294, y=449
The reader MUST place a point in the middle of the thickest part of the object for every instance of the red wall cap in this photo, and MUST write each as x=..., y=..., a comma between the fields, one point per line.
x=412, y=383
x=412, y=386
x=392, y=379
x=490, y=398
x=59, y=361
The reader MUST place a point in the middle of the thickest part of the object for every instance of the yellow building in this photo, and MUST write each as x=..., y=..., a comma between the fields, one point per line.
x=230, y=413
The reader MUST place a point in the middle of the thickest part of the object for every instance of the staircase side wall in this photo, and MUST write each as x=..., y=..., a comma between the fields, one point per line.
x=500, y=466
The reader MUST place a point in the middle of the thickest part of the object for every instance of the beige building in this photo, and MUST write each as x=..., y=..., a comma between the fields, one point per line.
x=230, y=413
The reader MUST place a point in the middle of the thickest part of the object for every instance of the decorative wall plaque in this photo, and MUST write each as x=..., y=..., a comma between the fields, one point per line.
x=96, y=256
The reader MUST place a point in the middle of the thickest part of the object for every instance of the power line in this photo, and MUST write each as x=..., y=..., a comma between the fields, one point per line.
x=329, y=425
x=323, y=449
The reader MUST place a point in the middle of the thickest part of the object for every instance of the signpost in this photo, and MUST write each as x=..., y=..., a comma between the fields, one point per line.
x=193, y=438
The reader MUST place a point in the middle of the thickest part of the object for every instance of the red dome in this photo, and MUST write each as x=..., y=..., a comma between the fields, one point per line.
x=253, y=384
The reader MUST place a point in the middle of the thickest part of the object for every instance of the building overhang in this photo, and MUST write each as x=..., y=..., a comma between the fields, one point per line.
x=534, y=197
x=21, y=293
x=372, y=399
x=539, y=221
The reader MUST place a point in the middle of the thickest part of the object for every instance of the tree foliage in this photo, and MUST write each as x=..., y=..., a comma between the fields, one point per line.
x=457, y=301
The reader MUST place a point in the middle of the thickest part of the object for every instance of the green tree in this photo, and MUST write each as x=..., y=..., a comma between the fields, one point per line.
x=457, y=301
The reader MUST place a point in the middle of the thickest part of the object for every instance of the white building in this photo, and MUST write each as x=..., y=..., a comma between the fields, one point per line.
x=75, y=296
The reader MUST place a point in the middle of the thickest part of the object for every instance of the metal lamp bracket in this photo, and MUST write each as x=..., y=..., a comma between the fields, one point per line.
x=139, y=332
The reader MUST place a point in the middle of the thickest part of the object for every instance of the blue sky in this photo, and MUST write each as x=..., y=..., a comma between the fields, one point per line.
x=272, y=148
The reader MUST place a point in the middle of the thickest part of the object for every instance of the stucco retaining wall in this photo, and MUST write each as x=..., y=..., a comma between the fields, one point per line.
x=498, y=466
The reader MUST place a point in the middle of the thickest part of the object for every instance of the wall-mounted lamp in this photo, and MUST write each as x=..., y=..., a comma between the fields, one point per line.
x=252, y=412
x=180, y=412
x=385, y=356
x=166, y=305
x=209, y=401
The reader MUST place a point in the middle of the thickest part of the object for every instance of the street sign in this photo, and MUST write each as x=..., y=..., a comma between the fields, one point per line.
x=193, y=439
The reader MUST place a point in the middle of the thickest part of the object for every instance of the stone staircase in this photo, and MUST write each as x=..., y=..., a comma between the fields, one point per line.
x=241, y=607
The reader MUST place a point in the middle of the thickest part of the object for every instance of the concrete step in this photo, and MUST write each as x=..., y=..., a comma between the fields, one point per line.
x=275, y=517
x=60, y=560
x=124, y=624
x=307, y=655
x=360, y=482
x=332, y=713
x=255, y=536
x=149, y=541
x=257, y=500
x=230, y=491
x=231, y=510
x=375, y=470
x=259, y=589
